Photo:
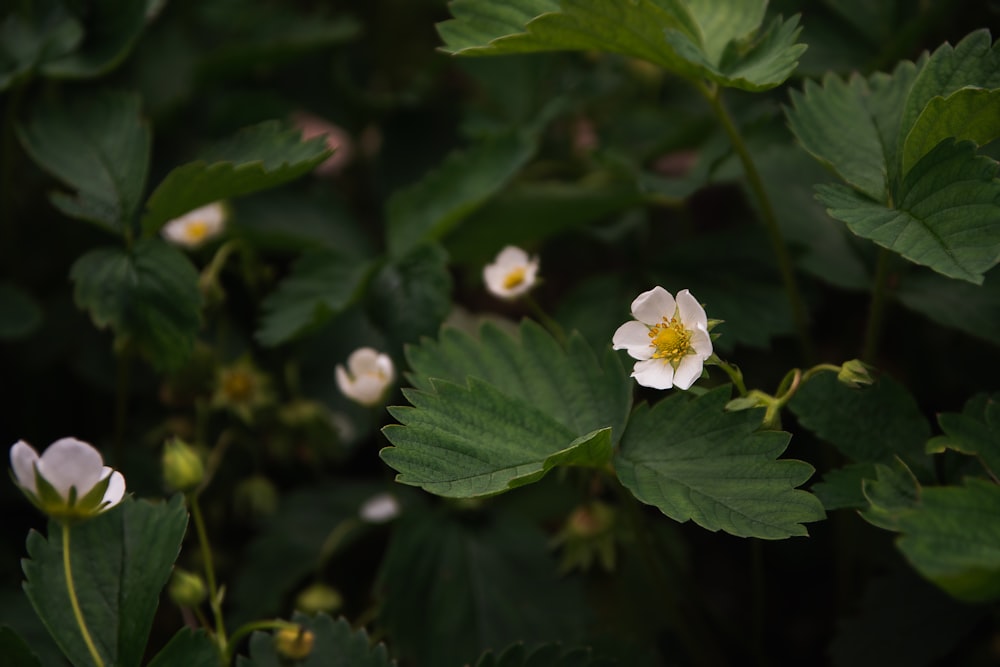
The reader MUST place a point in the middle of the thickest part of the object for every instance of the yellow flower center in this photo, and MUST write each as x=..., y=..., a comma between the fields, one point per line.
x=238, y=385
x=670, y=340
x=196, y=230
x=514, y=278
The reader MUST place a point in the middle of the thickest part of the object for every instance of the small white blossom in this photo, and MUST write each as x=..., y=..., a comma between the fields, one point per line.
x=367, y=376
x=511, y=274
x=196, y=227
x=380, y=508
x=72, y=481
x=669, y=338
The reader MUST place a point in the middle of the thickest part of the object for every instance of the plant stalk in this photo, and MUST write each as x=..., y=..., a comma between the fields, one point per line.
x=714, y=97
x=75, y=603
x=876, y=309
x=213, y=589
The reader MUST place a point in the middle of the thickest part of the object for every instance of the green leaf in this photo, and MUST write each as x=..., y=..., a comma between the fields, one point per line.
x=870, y=425
x=99, y=147
x=495, y=413
x=20, y=314
x=947, y=216
x=547, y=655
x=15, y=651
x=430, y=208
x=121, y=560
x=410, y=297
x=112, y=28
x=486, y=579
x=258, y=157
x=286, y=221
x=322, y=284
x=971, y=114
x=974, y=309
x=893, y=492
x=39, y=32
x=842, y=488
x=975, y=431
x=902, y=620
x=336, y=645
x=693, y=460
x=971, y=62
x=700, y=39
x=191, y=648
x=147, y=295
x=952, y=537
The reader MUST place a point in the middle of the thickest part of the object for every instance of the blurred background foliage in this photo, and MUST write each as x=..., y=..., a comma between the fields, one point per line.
x=613, y=172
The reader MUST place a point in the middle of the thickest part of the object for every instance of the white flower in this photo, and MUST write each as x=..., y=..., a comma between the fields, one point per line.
x=380, y=508
x=69, y=480
x=670, y=339
x=196, y=227
x=367, y=377
x=512, y=273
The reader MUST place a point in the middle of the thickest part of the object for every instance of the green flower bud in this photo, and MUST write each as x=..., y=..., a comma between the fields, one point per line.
x=319, y=597
x=186, y=589
x=855, y=373
x=182, y=466
x=255, y=498
x=294, y=643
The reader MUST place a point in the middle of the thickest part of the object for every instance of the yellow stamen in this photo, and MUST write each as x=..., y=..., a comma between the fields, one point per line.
x=670, y=339
x=238, y=385
x=514, y=278
x=196, y=230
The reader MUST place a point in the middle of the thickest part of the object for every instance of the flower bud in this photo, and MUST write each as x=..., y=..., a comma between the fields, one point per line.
x=319, y=598
x=186, y=589
x=855, y=373
x=294, y=643
x=182, y=466
x=590, y=520
x=255, y=498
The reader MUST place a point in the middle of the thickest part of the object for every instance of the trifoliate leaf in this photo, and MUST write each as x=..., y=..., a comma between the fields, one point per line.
x=968, y=114
x=841, y=488
x=975, y=431
x=322, y=284
x=971, y=62
x=433, y=206
x=148, y=295
x=697, y=40
x=869, y=425
x=259, y=157
x=98, y=146
x=335, y=644
x=15, y=651
x=498, y=412
x=952, y=537
x=693, y=460
x=191, y=648
x=547, y=655
x=120, y=561
x=487, y=579
x=947, y=216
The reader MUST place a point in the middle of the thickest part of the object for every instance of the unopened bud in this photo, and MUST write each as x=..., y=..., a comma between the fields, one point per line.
x=319, y=598
x=855, y=373
x=255, y=498
x=183, y=469
x=590, y=520
x=186, y=589
x=294, y=643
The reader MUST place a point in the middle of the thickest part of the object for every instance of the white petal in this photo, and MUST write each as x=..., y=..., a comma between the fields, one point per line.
x=367, y=389
x=651, y=307
x=692, y=314
x=362, y=360
x=634, y=337
x=385, y=368
x=654, y=373
x=701, y=341
x=70, y=462
x=22, y=460
x=687, y=371
x=511, y=257
x=344, y=381
x=116, y=490
x=380, y=508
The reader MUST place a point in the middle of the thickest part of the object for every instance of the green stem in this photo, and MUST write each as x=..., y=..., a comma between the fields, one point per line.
x=876, y=308
x=213, y=589
x=77, y=613
x=734, y=373
x=253, y=626
x=546, y=320
x=770, y=219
